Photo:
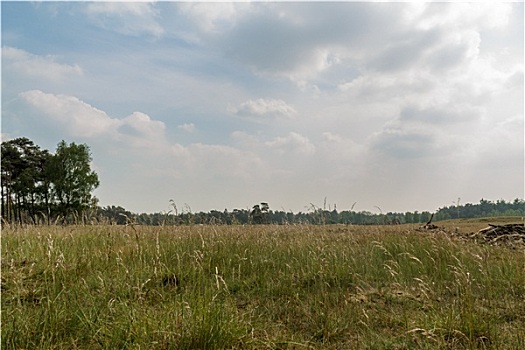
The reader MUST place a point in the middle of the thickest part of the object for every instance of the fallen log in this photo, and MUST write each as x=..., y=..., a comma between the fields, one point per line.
x=511, y=237
x=498, y=230
x=494, y=234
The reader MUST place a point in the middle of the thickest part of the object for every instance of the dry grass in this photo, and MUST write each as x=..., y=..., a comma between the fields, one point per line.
x=259, y=287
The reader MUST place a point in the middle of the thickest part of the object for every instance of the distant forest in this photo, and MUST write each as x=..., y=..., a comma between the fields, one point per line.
x=262, y=214
x=42, y=187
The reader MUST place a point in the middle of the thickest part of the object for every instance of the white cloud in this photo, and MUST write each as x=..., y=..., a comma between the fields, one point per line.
x=139, y=130
x=188, y=127
x=294, y=41
x=293, y=142
x=426, y=131
x=264, y=107
x=35, y=66
x=80, y=118
x=211, y=17
x=143, y=124
x=489, y=15
x=83, y=120
x=129, y=18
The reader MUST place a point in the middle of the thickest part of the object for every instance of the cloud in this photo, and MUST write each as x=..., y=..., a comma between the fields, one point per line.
x=405, y=51
x=211, y=17
x=294, y=41
x=293, y=142
x=143, y=124
x=432, y=116
x=489, y=15
x=277, y=41
x=264, y=108
x=35, y=66
x=405, y=144
x=128, y=18
x=80, y=119
x=245, y=139
x=426, y=131
x=188, y=127
x=337, y=148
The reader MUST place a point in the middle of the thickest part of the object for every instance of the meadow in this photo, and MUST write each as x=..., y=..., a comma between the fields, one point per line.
x=259, y=287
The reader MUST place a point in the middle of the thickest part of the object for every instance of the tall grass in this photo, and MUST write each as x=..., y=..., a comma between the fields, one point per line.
x=257, y=287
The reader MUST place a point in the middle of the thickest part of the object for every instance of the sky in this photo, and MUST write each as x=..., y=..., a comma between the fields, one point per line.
x=397, y=106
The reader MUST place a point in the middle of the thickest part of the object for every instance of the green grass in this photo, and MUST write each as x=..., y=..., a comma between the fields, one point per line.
x=259, y=287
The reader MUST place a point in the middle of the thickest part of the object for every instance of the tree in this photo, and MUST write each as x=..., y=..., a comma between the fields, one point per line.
x=265, y=211
x=11, y=162
x=73, y=179
x=256, y=214
x=259, y=213
x=35, y=182
x=23, y=179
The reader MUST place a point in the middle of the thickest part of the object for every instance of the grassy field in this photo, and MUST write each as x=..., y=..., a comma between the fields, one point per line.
x=259, y=287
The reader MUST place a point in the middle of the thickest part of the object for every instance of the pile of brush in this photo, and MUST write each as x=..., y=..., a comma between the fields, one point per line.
x=495, y=234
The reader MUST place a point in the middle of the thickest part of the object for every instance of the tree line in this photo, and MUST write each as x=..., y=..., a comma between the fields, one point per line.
x=38, y=186
x=262, y=214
